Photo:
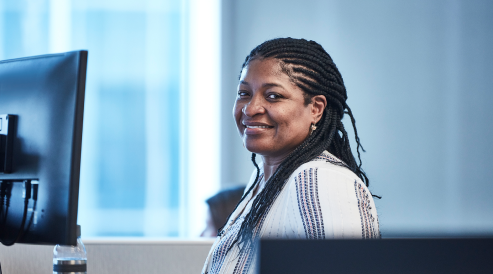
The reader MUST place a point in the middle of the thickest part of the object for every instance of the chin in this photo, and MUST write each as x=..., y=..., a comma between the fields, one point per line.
x=258, y=148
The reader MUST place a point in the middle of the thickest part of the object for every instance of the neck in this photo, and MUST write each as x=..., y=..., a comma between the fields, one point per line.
x=270, y=166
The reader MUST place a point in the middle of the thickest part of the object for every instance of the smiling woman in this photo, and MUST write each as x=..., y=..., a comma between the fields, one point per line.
x=289, y=108
x=264, y=110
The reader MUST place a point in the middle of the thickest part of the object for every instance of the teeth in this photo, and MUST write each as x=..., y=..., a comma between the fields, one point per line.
x=257, y=126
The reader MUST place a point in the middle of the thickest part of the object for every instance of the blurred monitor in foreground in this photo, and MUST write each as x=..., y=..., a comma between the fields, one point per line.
x=376, y=256
x=41, y=111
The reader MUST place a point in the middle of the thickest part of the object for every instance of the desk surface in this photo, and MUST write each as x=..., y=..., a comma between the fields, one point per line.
x=115, y=255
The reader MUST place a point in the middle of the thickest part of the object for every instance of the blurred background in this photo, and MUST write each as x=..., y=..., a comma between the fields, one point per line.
x=159, y=137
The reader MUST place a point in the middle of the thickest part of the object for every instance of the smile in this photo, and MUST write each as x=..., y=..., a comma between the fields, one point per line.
x=255, y=128
x=258, y=126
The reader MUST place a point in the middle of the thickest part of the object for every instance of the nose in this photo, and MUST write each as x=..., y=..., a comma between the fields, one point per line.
x=253, y=107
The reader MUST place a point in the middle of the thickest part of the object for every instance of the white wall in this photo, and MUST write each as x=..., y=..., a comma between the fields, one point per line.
x=418, y=75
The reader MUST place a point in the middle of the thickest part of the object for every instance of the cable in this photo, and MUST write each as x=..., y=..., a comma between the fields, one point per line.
x=2, y=198
x=20, y=233
x=6, y=191
x=35, y=199
x=8, y=194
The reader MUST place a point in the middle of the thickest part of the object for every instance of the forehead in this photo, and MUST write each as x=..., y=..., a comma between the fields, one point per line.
x=262, y=70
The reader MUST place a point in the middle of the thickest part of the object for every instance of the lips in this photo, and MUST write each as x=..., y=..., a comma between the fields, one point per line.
x=257, y=126
x=253, y=128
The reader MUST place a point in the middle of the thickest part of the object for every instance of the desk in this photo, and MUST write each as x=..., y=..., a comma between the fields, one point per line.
x=115, y=255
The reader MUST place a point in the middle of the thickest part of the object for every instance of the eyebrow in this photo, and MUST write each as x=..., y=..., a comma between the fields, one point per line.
x=266, y=85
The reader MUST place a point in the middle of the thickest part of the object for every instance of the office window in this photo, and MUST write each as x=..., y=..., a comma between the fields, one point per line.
x=148, y=160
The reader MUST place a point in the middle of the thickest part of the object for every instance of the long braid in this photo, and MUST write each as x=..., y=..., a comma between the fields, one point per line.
x=312, y=69
x=220, y=231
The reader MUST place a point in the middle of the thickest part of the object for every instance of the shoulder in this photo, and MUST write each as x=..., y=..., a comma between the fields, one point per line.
x=327, y=178
x=324, y=169
x=333, y=201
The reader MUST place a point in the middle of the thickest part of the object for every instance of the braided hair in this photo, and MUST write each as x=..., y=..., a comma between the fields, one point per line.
x=311, y=68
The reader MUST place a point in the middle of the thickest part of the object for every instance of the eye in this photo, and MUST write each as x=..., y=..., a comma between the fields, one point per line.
x=274, y=96
x=243, y=93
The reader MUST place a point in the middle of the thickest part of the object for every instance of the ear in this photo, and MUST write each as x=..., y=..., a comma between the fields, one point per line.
x=318, y=104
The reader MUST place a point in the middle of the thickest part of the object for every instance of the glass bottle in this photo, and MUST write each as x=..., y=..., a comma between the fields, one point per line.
x=70, y=258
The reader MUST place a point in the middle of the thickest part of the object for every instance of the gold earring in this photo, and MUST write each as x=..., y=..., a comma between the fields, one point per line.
x=312, y=128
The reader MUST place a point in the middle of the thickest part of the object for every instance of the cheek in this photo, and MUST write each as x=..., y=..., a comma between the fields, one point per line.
x=237, y=112
x=292, y=118
x=295, y=124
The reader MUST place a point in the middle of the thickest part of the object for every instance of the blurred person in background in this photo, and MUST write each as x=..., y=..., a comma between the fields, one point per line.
x=221, y=206
x=289, y=107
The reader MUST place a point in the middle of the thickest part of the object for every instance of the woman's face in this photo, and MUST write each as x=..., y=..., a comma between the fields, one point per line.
x=269, y=111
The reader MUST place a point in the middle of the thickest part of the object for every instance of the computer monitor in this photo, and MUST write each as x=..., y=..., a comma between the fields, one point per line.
x=41, y=113
x=445, y=255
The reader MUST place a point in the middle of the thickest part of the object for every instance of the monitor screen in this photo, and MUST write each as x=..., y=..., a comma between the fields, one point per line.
x=41, y=111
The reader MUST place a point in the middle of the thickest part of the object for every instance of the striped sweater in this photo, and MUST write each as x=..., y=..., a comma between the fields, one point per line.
x=321, y=200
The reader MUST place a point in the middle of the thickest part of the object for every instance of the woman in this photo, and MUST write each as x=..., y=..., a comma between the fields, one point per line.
x=289, y=109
